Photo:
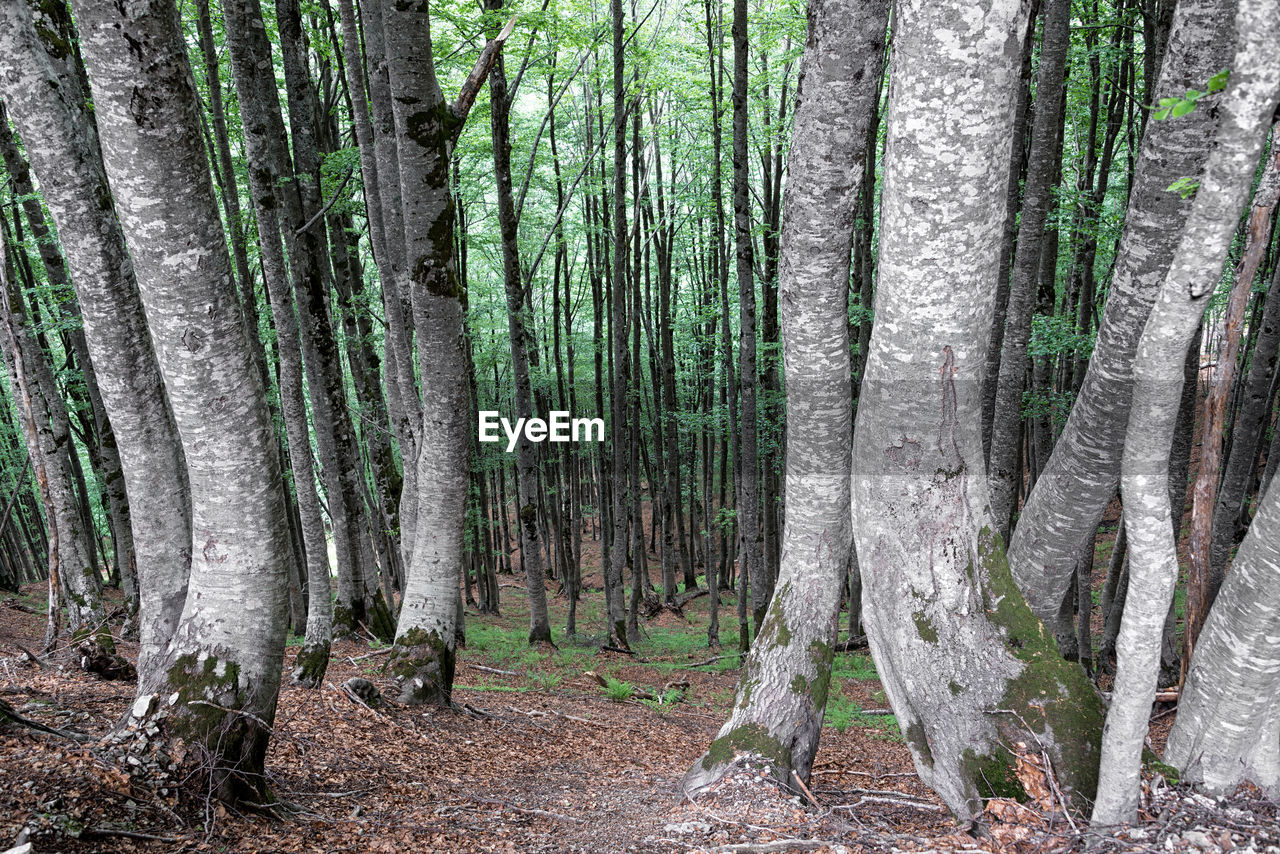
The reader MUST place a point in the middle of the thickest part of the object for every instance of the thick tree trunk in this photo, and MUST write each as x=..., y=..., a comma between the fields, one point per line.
x=777, y=717
x=225, y=658
x=967, y=667
x=50, y=112
x=1246, y=110
x=1064, y=510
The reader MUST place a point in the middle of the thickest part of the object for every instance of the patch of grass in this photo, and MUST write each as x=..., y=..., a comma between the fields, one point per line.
x=853, y=665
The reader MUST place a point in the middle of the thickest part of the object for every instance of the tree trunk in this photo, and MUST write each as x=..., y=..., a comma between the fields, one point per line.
x=225, y=659
x=1071, y=494
x=518, y=323
x=427, y=632
x=61, y=139
x=777, y=717
x=748, y=496
x=1246, y=110
x=967, y=668
x=1042, y=171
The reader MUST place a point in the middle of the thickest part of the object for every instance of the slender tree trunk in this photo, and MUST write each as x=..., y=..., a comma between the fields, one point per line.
x=1042, y=170
x=782, y=693
x=1246, y=109
x=518, y=323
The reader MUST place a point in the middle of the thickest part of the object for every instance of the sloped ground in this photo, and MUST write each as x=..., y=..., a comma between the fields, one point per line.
x=538, y=759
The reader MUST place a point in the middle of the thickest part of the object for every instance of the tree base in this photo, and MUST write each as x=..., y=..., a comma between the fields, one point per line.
x=310, y=665
x=423, y=665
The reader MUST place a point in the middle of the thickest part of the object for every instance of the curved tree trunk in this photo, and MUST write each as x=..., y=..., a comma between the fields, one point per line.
x=1063, y=511
x=58, y=130
x=1246, y=110
x=225, y=658
x=1228, y=726
x=777, y=715
x=969, y=670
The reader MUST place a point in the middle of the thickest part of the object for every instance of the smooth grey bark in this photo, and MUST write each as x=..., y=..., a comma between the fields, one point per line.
x=1228, y=727
x=49, y=107
x=1004, y=463
x=426, y=125
x=228, y=648
x=358, y=593
x=1247, y=106
x=1063, y=511
x=782, y=694
x=968, y=669
x=263, y=135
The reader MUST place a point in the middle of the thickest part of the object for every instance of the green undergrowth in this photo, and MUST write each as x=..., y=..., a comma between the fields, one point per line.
x=668, y=650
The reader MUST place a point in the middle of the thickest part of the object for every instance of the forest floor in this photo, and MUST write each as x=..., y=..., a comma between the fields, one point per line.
x=539, y=757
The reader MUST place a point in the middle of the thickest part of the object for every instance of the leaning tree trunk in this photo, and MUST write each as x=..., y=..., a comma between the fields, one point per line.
x=218, y=688
x=1246, y=110
x=51, y=113
x=1064, y=509
x=1248, y=431
x=1228, y=727
x=782, y=694
x=968, y=668
x=426, y=635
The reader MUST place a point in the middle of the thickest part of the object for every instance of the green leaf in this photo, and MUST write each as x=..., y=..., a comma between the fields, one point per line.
x=1183, y=108
x=1218, y=82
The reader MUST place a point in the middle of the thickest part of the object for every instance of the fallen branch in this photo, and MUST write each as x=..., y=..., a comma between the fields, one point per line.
x=776, y=845
x=10, y=715
x=803, y=788
x=875, y=799
x=128, y=834
x=494, y=670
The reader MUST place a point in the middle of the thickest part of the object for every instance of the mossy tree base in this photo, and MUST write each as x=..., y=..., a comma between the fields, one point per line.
x=423, y=665
x=204, y=728
x=310, y=665
x=747, y=747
